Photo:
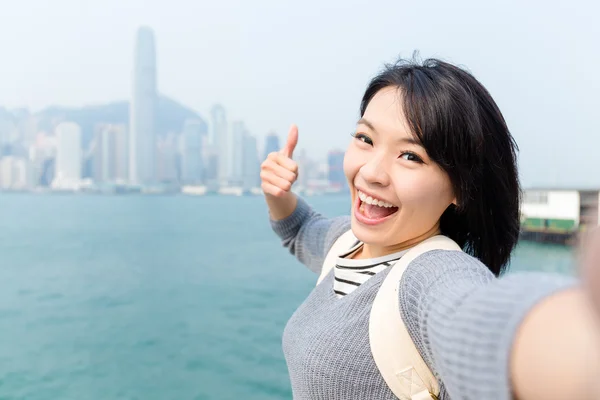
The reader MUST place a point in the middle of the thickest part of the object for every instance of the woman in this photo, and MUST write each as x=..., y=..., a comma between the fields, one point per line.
x=431, y=155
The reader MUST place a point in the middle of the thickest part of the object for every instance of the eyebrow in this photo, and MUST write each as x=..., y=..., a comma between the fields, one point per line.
x=409, y=140
x=363, y=121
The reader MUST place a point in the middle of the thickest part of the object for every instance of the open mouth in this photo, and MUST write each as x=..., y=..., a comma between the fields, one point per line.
x=373, y=211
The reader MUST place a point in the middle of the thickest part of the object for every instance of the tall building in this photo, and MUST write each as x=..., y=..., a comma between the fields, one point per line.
x=191, y=151
x=142, y=147
x=222, y=142
x=250, y=164
x=68, y=156
x=211, y=167
x=110, y=153
x=271, y=144
x=305, y=168
x=239, y=132
x=42, y=155
x=335, y=170
x=14, y=173
x=167, y=159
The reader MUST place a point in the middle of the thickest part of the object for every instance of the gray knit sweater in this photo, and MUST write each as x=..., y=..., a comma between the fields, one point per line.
x=461, y=318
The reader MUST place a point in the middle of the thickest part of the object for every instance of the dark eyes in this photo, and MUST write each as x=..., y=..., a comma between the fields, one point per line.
x=407, y=155
x=363, y=138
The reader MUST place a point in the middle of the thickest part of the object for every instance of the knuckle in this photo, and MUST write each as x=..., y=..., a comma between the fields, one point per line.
x=266, y=164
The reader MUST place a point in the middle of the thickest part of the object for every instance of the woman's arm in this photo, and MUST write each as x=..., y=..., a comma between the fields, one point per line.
x=485, y=337
x=309, y=235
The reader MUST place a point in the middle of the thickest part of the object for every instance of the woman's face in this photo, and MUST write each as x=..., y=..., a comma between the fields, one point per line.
x=398, y=193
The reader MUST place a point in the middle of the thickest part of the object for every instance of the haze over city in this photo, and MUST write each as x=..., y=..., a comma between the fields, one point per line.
x=308, y=64
x=150, y=144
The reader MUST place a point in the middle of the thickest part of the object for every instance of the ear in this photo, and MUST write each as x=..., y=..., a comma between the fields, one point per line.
x=455, y=202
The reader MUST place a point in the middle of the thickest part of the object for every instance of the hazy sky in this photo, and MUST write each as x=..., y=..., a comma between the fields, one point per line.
x=273, y=63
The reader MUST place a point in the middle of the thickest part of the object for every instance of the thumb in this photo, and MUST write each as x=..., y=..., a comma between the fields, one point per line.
x=292, y=141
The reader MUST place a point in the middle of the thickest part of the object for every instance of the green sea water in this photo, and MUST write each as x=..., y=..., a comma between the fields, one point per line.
x=154, y=297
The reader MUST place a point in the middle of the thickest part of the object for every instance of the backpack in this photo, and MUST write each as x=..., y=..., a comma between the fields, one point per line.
x=396, y=356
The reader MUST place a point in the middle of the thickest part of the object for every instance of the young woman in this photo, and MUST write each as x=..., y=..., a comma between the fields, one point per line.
x=431, y=155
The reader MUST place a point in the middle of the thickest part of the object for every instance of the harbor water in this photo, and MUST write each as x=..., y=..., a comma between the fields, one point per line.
x=155, y=297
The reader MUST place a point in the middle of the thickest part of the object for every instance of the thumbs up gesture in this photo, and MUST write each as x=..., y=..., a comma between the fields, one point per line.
x=279, y=172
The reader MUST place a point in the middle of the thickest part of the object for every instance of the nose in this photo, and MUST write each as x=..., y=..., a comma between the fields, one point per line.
x=375, y=171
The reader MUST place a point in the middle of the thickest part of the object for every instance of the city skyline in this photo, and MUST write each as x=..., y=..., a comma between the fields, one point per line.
x=222, y=156
x=58, y=161
x=274, y=65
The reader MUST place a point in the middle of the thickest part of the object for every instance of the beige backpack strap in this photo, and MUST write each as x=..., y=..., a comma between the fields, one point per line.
x=340, y=246
x=395, y=354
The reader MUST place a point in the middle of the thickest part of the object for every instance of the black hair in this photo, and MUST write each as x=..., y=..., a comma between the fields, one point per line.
x=462, y=129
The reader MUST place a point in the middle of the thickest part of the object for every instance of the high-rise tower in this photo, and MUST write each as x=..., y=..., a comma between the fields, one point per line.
x=142, y=119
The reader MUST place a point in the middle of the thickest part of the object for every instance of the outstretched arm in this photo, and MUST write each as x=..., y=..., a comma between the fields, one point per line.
x=524, y=336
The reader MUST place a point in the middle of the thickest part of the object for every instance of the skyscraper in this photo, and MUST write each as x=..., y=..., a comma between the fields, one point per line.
x=110, y=153
x=167, y=159
x=68, y=156
x=335, y=172
x=191, y=152
x=211, y=166
x=251, y=165
x=42, y=155
x=222, y=141
x=239, y=132
x=14, y=172
x=305, y=166
x=142, y=144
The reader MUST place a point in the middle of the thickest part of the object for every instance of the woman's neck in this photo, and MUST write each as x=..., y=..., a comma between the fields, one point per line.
x=373, y=251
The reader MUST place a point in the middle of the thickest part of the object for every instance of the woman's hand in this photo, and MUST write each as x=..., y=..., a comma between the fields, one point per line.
x=278, y=173
x=560, y=338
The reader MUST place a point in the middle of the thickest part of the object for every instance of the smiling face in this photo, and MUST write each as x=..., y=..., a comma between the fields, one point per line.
x=398, y=193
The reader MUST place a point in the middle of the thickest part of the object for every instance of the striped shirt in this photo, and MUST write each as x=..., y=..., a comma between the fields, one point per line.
x=350, y=273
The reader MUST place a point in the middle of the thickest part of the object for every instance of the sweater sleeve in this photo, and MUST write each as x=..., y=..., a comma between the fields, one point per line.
x=463, y=319
x=309, y=235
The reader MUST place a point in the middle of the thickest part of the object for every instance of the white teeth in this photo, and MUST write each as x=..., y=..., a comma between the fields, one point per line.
x=369, y=200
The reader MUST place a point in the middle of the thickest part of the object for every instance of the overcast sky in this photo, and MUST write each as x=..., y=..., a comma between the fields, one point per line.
x=273, y=63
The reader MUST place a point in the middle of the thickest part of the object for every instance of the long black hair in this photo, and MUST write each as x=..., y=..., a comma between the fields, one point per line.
x=463, y=131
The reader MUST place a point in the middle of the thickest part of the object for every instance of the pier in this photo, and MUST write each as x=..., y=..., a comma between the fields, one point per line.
x=558, y=215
